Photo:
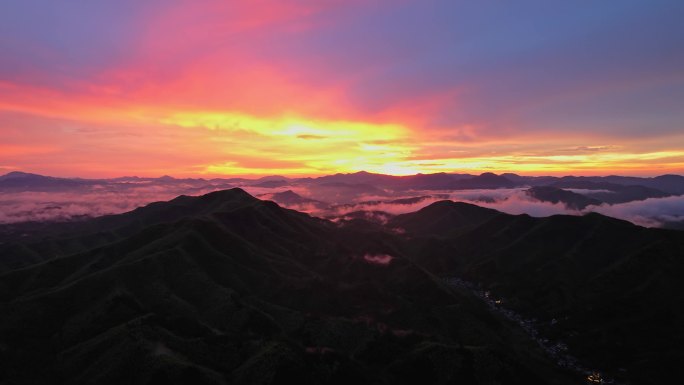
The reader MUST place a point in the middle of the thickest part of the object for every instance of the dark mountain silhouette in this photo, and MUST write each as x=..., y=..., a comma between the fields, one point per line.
x=291, y=198
x=616, y=193
x=672, y=184
x=529, y=180
x=272, y=177
x=438, y=181
x=20, y=175
x=338, y=193
x=570, y=199
x=611, y=290
x=486, y=180
x=225, y=288
x=392, y=202
x=361, y=177
x=443, y=217
x=444, y=181
x=21, y=181
x=272, y=183
x=343, y=187
x=674, y=225
x=628, y=194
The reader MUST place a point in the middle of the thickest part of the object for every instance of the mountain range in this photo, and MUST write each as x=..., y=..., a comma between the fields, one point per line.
x=654, y=187
x=31, y=197
x=225, y=288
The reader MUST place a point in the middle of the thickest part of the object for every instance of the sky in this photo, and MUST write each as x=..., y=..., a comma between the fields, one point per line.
x=96, y=88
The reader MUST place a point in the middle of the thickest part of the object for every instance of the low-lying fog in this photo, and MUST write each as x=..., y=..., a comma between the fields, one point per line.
x=112, y=198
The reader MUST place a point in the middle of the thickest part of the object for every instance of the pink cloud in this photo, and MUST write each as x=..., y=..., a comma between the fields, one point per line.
x=88, y=202
x=652, y=212
x=378, y=259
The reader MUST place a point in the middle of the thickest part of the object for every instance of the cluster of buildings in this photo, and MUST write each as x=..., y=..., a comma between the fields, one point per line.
x=557, y=350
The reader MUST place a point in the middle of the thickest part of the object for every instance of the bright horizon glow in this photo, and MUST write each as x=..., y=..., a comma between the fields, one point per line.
x=306, y=88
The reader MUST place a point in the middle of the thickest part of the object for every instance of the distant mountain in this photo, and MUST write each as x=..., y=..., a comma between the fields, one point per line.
x=225, y=288
x=672, y=184
x=629, y=188
x=339, y=193
x=289, y=199
x=444, y=181
x=628, y=194
x=609, y=192
x=19, y=175
x=272, y=178
x=20, y=181
x=273, y=183
x=361, y=177
x=529, y=180
x=389, y=202
x=438, y=181
x=669, y=184
x=554, y=195
x=486, y=180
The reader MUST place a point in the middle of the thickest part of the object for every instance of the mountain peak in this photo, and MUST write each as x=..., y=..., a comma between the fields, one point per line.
x=571, y=200
x=488, y=174
x=669, y=177
x=442, y=217
x=270, y=178
x=20, y=174
x=287, y=194
x=232, y=193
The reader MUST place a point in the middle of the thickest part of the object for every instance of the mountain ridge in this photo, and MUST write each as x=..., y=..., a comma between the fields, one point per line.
x=207, y=298
x=228, y=274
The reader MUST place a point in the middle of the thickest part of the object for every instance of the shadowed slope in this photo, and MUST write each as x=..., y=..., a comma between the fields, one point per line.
x=225, y=288
x=612, y=289
x=443, y=217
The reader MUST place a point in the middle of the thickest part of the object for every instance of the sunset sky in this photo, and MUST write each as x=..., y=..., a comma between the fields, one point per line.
x=97, y=88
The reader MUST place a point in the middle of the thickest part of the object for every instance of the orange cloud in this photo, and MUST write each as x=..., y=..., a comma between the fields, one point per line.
x=218, y=88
